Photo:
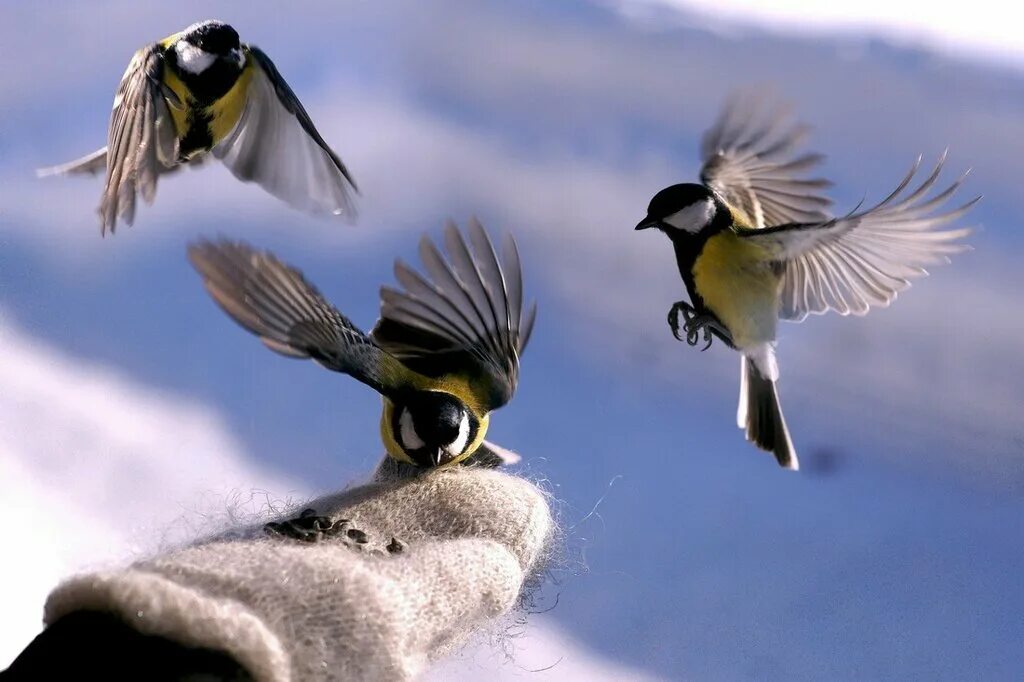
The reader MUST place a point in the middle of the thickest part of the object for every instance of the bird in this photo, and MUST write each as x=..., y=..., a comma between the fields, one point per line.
x=755, y=243
x=444, y=353
x=200, y=92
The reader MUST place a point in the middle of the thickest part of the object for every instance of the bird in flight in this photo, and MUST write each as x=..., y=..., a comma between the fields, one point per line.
x=754, y=244
x=201, y=92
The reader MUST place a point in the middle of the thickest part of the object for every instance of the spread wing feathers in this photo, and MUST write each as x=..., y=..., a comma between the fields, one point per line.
x=91, y=164
x=749, y=160
x=95, y=163
x=464, y=317
x=141, y=142
x=864, y=259
x=277, y=304
x=276, y=145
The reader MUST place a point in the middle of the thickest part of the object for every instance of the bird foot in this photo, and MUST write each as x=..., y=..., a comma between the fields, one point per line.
x=680, y=308
x=694, y=323
x=711, y=327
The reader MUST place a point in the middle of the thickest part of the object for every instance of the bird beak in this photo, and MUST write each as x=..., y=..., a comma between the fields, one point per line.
x=439, y=456
x=646, y=223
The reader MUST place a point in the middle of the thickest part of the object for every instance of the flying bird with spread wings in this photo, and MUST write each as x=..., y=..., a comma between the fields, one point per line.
x=201, y=92
x=755, y=244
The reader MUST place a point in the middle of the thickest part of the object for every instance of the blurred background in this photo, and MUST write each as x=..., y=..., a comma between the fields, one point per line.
x=133, y=412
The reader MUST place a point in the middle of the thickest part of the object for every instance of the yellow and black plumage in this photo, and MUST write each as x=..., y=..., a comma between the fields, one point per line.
x=203, y=91
x=444, y=353
x=754, y=244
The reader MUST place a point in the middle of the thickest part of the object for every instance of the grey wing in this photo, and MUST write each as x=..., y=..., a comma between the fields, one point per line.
x=276, y=145
x=864, y=259
x=95, y=163
x=90, y=164
x=277, y=304
x=466, y=316
x=141, y=142
x=749, y=159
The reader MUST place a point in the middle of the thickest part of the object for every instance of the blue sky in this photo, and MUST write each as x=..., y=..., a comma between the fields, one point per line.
x=896, y=553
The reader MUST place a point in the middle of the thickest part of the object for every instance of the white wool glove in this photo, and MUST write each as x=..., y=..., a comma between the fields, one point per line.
x=373, y=584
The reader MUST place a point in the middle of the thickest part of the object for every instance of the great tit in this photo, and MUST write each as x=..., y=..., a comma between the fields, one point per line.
x=754, y=244
x=444, y=353
x=202, y=91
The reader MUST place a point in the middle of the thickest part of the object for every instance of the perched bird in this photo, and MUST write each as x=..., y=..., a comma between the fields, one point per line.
x=444, y=353
x=754, y=244
x=202, y=91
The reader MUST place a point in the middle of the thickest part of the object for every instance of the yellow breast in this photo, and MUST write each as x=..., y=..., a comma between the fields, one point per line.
x=735, y=279
x=225, y=112
x=178, y=113
x=221, y=117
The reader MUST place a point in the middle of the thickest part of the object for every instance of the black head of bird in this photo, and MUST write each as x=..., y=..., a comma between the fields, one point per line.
x=433, y=427
x=681, y=210
x=206, y=43
x=209, y=58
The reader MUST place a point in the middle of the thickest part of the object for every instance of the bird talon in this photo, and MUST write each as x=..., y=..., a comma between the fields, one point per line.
x=686, y=310
x=711, y=327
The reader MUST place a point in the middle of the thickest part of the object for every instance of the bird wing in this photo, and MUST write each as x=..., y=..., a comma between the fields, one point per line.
x=142, y=141
x=464, y=318
x=90, y=164
x=748, y=160
x=865, y=258
x=96, y=162
x=276, y=145
x=277, y=304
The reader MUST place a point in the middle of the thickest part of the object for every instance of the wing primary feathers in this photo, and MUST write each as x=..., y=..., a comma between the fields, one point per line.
x=491, y=277
x=464, y=317
x=276, y=145
x=866, y=257
x=746, y=162
x=472, y=283
x=141, y=143
x=526, y=328
x=406, y=307
x=277, y=304
x=292, y=103
x=90, y=164
x=514, y=271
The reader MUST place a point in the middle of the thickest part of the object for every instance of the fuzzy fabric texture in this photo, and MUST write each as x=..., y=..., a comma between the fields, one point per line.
x=387, y=577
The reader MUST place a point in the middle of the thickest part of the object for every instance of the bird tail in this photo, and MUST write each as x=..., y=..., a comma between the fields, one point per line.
x=759, y=411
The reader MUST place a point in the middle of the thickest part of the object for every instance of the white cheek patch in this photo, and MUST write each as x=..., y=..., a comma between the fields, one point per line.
x=193, y=59
x=407, y=432
x=694, y=217
x=459, y=444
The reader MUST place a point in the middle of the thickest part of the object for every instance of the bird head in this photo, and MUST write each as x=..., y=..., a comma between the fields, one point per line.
x=434, y=427
x=679, y=210
x=202, y=44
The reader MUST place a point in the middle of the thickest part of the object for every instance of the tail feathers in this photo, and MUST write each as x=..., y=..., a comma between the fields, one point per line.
x=761, y=415
x=90, y=164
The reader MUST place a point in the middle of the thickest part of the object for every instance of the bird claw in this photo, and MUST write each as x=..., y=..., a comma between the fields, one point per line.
x=694, y=323
x=711, y=327
x=688, y=313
